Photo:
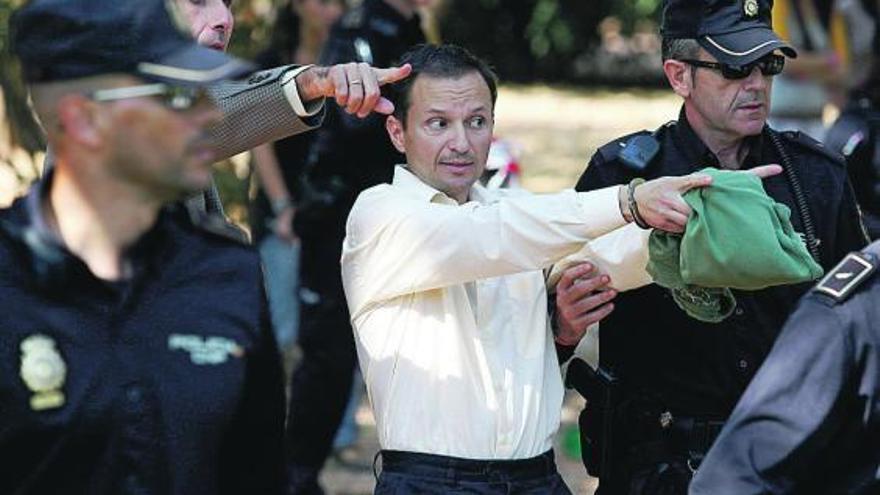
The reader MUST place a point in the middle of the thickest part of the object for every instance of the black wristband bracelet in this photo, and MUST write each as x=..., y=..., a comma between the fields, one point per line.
x=633, y=206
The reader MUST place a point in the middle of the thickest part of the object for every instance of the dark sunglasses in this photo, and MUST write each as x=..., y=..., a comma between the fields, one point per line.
x=769, y=65
x=179, y=98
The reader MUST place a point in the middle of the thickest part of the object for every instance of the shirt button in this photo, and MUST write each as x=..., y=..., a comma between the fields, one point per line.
x=134, y=394
x=743, y=364
x=132, y=484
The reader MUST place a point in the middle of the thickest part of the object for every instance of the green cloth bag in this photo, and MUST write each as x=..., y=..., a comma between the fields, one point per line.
x=736, y=238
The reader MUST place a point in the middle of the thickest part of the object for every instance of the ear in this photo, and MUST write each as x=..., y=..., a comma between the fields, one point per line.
x=80, y=119
x=396, y=133
x=679, y=74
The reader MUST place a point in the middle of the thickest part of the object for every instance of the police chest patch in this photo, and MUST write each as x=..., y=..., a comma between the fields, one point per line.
x=205, y=350
x=43, y=372
x=840, y=282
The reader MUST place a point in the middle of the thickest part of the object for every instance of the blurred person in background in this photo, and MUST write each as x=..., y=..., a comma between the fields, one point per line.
x=856, y=132
x=349, y=155
x=818, y=76
x=300, y=30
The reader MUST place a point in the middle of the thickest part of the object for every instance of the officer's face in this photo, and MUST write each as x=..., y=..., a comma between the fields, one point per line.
x=733, y=107
x=163, y=152
x=448, y=132
x=211, y=21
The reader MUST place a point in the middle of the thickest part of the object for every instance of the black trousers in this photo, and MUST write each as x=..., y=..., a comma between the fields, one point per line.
x=319, y=390
x=410, y=472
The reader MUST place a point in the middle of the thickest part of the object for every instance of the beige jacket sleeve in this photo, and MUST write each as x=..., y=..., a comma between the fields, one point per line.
x=258, y=110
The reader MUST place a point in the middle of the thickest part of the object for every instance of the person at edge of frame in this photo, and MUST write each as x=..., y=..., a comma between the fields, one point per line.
x=856, y=131
x=665, y=383
x=136, y=355
x=808, y=423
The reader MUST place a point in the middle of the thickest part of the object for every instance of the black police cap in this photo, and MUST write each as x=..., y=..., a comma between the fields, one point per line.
x=59, y=40
x=736, y=32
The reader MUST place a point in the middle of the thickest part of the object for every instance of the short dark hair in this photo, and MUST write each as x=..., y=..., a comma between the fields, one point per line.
x=443, y=61
x=679, y=49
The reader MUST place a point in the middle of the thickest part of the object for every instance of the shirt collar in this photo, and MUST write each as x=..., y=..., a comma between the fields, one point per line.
x=143, y=253
x=408, y=181
x=36, y=215
x=697, y=153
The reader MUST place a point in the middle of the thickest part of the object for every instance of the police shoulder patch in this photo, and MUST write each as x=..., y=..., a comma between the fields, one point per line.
x=847, y=276
x=805, y=141
x=609, y=151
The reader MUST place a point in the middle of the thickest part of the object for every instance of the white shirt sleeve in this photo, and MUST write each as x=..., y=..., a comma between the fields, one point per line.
x=398, y=243
x=291, y=92
x=621, y=254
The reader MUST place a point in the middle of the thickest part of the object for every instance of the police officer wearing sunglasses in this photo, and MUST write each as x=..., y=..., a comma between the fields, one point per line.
x=135, y=351
x=665, y=382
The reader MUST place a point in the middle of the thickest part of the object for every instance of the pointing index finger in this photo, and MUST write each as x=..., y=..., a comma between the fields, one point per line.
x=392, y=74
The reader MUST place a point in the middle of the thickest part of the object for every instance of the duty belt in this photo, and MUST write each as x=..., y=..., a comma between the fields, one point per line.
x=682, y=436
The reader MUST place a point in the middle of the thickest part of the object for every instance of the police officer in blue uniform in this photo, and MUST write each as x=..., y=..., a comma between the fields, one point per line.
x=135, y=352
x=809, y=423
x=348, y=154
x=667, y=382
x=856, y=135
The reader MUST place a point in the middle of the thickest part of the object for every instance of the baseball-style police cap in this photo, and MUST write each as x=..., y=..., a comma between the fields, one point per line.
x=59, y=40
x=736, y=32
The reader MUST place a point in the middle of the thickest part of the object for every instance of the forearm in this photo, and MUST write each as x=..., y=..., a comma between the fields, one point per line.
x=402, y=248
x=269, y=174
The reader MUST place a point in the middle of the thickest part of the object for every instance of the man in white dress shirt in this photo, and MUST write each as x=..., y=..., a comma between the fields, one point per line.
x=445, y=286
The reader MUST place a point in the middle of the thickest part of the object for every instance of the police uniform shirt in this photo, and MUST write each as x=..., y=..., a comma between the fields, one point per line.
x=855, y=135
x=166, y=383
x=688, y=367
x=809, y=423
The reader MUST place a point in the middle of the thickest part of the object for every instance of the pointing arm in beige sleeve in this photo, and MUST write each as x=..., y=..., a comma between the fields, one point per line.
x=264, y=107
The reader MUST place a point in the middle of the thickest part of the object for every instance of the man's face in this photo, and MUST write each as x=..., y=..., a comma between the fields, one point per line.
x=448, y=132
x=736, y=107
x=164, y=152
x=211, y=21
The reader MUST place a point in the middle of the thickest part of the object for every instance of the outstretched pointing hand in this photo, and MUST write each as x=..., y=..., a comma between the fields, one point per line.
x=354, y=86
x=660, y=201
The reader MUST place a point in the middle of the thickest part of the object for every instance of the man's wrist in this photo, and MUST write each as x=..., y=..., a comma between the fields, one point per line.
x=623, y=204
x=297, y=85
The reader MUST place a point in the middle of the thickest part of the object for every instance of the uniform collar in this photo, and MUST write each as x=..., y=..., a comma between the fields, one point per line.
x=36, y=215
x=144, y=255
x=700, y=156
x=409, y=182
